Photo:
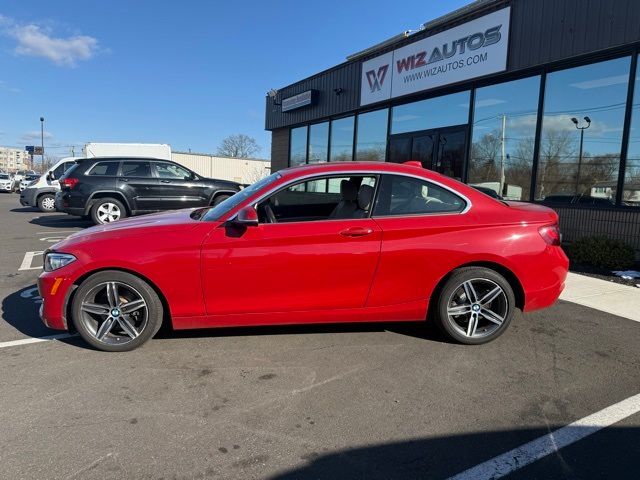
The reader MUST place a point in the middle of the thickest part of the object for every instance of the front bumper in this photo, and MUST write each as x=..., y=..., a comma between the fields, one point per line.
x=56, y=289
x=28, y=197
x=6, y=187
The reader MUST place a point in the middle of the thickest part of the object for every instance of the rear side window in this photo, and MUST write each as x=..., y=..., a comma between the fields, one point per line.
x=136, y=169
x=169, y=170
x=102, y=169
x=400, y=195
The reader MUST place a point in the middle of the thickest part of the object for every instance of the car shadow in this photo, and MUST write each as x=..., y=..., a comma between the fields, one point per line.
x=24, y=210
x=61, y=221
x=446, y=456
x=422, y=330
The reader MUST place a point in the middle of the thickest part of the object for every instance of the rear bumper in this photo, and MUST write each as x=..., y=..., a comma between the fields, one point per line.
x=554, y=279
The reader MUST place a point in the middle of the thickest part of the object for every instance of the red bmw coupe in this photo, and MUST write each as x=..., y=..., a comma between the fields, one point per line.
x=327, y=243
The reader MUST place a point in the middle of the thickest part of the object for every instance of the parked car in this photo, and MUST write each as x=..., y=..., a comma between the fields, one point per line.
x=20, y=174
x=41, y=194
x=334, y=242
x=487, y=191
x=108, y=189
x=582, y=200
x=28, y=180
x=6, y=182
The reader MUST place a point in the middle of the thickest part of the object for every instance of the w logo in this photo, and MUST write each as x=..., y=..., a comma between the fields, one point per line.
x=376, y=79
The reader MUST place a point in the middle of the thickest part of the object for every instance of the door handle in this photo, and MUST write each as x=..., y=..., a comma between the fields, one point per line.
x=125, y=179
x=356, y=232
x=165, y=181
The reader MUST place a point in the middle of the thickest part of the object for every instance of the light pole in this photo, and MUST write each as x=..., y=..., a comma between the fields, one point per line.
x=42, y=140
x=582, y=129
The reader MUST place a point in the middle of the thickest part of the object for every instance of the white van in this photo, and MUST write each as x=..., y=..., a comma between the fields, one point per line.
x=42, y=193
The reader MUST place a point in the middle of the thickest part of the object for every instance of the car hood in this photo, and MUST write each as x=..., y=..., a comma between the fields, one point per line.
x=154, y=224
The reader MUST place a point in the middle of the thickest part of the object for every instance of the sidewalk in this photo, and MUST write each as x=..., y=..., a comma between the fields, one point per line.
x=609, y=297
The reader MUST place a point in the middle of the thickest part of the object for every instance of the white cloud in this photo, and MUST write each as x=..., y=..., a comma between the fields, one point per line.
x=35, y=41
x=35, y=135
x=601, y=82
x=8, y=88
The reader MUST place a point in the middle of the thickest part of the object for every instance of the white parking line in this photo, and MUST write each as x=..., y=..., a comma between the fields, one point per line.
x=27, y=341
x=28, y=260
x=536, y=449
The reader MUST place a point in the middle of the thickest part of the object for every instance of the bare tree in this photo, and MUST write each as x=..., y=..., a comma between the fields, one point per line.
x=238, y=146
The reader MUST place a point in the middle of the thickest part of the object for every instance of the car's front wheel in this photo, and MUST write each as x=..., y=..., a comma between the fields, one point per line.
x=116, y=311
x=475, y=305
x=107, y=210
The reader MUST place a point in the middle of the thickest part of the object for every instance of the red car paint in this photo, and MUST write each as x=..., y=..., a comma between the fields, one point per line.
x=320, y=271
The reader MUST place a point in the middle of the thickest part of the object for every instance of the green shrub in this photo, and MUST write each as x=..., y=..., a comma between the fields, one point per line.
x=602, y=252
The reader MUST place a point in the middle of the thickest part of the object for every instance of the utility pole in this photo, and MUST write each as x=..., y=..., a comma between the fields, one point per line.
x=582, y=129
x=42, y=140
x=502, y=153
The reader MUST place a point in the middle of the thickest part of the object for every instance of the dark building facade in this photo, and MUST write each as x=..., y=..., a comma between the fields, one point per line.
x=537, y=100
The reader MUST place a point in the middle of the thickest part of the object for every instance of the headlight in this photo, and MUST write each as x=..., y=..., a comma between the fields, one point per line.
x=54, y=261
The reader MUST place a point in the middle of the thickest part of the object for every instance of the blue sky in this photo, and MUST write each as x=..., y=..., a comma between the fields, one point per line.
x=186, y=73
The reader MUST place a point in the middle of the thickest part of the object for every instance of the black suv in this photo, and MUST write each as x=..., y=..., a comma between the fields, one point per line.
x=108, y=189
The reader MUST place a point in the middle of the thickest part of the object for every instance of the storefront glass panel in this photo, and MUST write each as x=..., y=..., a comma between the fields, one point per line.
x=319, y=142
x=371, y=144
x=503, y=137
x=431, y=113
x=342, y=140
x=631, y=192
x=298, y=147
x=587, y=101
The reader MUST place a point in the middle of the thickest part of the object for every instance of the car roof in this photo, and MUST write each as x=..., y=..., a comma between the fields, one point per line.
x=387, y=167
x=120, y=158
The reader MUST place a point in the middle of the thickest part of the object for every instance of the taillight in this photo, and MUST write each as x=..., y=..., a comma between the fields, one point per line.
x=69, y=182
x=551, y=234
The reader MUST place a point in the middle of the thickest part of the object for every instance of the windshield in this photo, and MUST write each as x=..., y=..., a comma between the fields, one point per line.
x=4, y=177
x=230, y=203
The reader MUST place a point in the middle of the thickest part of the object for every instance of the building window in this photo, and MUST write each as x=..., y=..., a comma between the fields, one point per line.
x=371, y=144
x=342, y=140
x=432, y=113
x=318, y=142
x=631, y=191
x=503, y=137
x=298, y=149
x=592, y=98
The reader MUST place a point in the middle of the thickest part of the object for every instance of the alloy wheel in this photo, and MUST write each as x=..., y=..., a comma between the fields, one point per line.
x=108, y=212
x=477, y=308
x=114, y=313
x=48, y=203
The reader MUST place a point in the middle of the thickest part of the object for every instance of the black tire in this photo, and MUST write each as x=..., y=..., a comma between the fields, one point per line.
x=97, y=210
x=84, y=325
x=219, y=199
x=47, y=203
x=454, y=290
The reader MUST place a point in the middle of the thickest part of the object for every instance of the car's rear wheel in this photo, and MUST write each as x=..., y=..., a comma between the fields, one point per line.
x=475, y=305
x=115, y=311
x=47, y=203
x=219, y=199
x=107, y=210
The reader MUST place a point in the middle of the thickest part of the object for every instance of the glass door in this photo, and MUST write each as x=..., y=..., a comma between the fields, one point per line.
x=441, y=150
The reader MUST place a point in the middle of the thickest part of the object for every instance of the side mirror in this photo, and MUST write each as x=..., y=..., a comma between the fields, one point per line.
x=246, y=217
x=51, y=176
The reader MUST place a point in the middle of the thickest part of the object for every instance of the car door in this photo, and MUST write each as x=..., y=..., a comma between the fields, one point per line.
x=138, y=185
x=423, y=231
x=297, y=263
x=178, y=187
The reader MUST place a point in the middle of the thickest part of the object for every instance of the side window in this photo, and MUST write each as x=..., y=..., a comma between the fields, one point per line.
x=58, y=171
x=109, y=169
x=324, y=198
x=136, y=169
x=68, y=165
x=400, y=195
x=169, y=170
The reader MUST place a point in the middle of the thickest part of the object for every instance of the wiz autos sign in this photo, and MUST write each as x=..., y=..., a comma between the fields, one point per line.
x=471, y=50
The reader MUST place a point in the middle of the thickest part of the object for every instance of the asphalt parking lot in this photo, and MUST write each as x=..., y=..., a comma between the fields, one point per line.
x=364, y=401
